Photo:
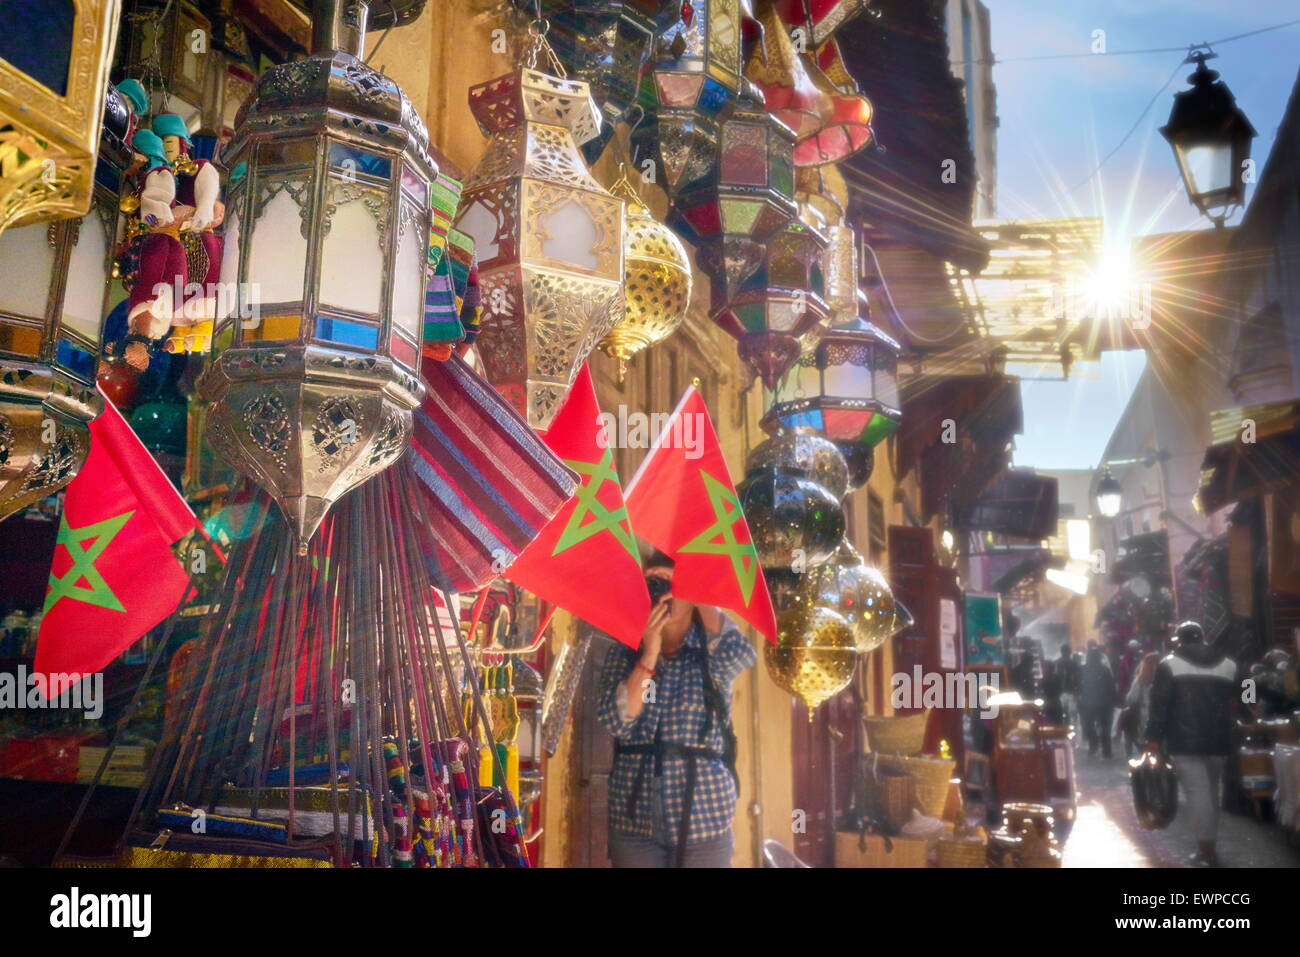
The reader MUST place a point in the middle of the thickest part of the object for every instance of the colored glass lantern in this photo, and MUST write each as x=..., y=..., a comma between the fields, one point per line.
x=1210, y=136
x=859, y=593
x=326, y=241
x=846, y=120
x=807, y=451
x=819, y=19
x=789, y=92
x=53, y=77
x=52, y=304
x=656, y=281
x=688, y=90
x=549, y=238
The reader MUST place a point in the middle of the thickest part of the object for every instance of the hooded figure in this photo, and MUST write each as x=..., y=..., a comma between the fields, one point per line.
x=1192, y=699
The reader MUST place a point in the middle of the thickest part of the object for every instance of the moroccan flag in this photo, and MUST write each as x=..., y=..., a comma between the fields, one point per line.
x=585, y=560
x=114, y=574
x=682, y=501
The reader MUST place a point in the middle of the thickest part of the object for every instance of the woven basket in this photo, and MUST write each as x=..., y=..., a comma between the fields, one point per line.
x=890, y=796
x=930, y=778
x=963, y=854
x=868, y=850
x=897, y=735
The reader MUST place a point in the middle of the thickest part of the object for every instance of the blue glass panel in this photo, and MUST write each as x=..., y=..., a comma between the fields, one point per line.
x=107, y=177
x=360, y=162
x=76, y=360
x=346, y=332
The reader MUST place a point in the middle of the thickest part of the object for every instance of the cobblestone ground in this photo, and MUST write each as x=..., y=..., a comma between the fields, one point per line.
x=1106, y=833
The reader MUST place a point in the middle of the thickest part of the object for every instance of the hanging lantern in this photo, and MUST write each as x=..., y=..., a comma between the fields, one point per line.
x=1210, y=136
x=814, y=654
x=860, y=459
x=161, y=42
x=745, y=201
x=819, y=19
x=795, y=523
x=846, y=387
x=789, y=92
x=780, y=303
x=859, y=593
x=688, y=90
x=605, y=44
x=807, y=451
x=51, y=106
x=846, y=119
x=326, y=236
x=52, y=303
x=656, y=281
x=549, y=237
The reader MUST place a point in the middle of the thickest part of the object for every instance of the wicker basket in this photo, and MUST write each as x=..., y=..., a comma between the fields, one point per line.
x=869, y=850
x=897, y=735
x=930, y=778
x=969, y=853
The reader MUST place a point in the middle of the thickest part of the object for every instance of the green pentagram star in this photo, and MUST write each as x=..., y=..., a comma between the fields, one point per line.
x=727, y=511
x=615, y=521
x=96, y=590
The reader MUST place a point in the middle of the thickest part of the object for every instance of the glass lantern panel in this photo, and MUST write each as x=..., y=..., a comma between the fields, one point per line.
x=27, y=264
x=352, y=262
x=744, y=154
x=415, y=187
x=1209, y=167
x=404, y=350
x=277, y=255
x=482, y=225
x=887, y=384
x=348, y=332
x=357, y=162
x=848, y=381
x=408, y=277
x=75, y=358
x=87, y=283
x=20, y=338
x=800, y=382
x=287, y=153
x=571, y=237
x=228, y=301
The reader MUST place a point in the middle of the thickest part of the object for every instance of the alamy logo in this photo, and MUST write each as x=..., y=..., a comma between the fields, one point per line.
x=640, y=430
x=20, y=690
x=944, y=690
x=74, y=910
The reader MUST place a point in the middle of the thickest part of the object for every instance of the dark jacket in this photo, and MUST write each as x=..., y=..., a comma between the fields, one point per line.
x=1096, y=684
x=1192, y=699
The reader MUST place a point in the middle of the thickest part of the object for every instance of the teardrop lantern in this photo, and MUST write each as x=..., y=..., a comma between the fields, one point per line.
x=814, y=655
x=656, y=283
x=549, y=237
x=795, y=523
x=859, y=592
x=806, y=450
x=326, y=237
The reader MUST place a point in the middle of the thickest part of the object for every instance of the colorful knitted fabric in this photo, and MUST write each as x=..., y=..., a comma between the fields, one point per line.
x=464, y=282
x=218, y=825
x=444, y=197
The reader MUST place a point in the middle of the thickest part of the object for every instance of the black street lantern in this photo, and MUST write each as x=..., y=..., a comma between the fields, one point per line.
x=1211, y=141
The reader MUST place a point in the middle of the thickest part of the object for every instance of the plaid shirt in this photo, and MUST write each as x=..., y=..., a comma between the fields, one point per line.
x=677, y=712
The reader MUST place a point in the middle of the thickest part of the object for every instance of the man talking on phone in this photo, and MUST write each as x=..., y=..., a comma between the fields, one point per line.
x=668, y=705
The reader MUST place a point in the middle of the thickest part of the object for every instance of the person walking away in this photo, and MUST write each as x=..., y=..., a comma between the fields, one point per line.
x=1137, y=703
x=1097, y=701
x=1069, y=672
x=1192, y=700
x=673, y=787
x=1128, y=663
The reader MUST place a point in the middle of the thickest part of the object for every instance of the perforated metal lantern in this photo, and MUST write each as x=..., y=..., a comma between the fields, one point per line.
x=795, y=523
x=688, y=89
x=549, y=238
x=326, y=234
x=814, y=654
x=53, y=299
x=858, y=592
x=656, y=281
x=809, y=452
x=51, y=107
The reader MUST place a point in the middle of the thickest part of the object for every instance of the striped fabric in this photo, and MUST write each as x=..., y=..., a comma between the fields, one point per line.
x=444, y=196
x=464, y=280
x=488, y=481
x=442, y=303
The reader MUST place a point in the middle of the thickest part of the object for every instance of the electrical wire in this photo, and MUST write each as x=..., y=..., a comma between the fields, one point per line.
x=1075, y=56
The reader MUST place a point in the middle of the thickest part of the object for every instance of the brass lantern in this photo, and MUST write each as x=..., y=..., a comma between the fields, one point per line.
x=326, y=234
x=549, y=237
x=689, y=89
x=52, y=303
x=808, y=451
x=53, y=76
x=814, y=654
x=656, y=281
x=859, y=593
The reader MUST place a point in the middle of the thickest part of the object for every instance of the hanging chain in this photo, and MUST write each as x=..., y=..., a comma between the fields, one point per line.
x=539, y=46
x=151, y=72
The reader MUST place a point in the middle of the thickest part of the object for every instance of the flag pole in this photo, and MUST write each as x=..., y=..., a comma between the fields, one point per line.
x=667, y=430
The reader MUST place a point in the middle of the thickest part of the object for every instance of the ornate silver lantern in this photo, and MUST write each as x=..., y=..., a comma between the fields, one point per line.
x=326, y=231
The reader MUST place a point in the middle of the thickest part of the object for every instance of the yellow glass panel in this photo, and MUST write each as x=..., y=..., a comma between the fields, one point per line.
x=272, y=328
x=21, y=339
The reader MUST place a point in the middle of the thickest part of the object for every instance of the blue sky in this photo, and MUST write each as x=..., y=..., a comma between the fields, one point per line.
x=1060, y=117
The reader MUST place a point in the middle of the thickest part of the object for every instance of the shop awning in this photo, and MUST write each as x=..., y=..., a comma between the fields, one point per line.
x=1256, y=449
x=1147, y=555
x=1021, y=503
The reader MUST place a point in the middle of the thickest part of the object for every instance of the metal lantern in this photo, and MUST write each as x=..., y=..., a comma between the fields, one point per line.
x=688, y=90
x=743, y=203
x=606, y=43
x=52, y=303
x=859, y=593
x=809, y=452
x=861, y=460
x=1210, y=136
x=814, y=654
x=656, y=281
x=795, y=523
x=845, y=387
x=326, y=234
x=172, y=42
x=549, y=237
x=781, y=303
x=789, y=92
x=53, y=76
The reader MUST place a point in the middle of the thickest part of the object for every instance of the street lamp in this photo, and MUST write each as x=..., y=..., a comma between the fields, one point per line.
x=1211, y=138
x=1109, y=494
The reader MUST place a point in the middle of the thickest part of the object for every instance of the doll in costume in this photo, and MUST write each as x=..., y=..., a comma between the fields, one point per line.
x=198, y=189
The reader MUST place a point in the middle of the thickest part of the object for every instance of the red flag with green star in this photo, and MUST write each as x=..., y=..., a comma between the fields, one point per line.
x=585, y=560
x=682, y=501
x=114, y=575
